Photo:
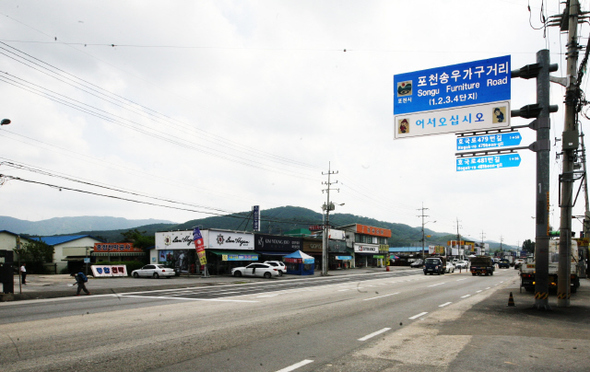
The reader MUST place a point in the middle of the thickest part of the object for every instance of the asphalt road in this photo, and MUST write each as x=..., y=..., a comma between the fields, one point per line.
x=377, y=321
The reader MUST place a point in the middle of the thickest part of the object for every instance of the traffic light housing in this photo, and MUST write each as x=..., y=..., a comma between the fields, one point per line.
x=540, y=71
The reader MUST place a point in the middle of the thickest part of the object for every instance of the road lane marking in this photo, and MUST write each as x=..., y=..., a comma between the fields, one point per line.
x=296, y=365
x=374, y=334
x=481, y=290
x=418, y=315
x=374, y=298
x=461, y=279
x=445, y=304
x=466, y=296
x=436, y=285
x=183, y=298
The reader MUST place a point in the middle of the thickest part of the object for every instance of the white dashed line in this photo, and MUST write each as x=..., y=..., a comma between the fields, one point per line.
x=374, y=334
x=296, y=365
x=418, y=315
x=445, y=304
x=466, y=296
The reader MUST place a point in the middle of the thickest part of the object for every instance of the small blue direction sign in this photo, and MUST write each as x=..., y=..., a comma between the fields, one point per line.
x=488, y=162
x=488, y=141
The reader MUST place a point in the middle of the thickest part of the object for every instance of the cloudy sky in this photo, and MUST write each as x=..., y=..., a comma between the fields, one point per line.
x=204, y=107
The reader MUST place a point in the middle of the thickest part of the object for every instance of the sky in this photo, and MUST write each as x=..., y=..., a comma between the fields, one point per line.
x=181, y=109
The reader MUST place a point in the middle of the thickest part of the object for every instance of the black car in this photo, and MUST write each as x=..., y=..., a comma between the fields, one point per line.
x=434, y=266
x=417, y=263
x=504, y=264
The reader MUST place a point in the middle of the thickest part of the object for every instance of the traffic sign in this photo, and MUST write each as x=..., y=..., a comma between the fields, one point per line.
x=488, y=141
x=451, y=91
x=488, y=162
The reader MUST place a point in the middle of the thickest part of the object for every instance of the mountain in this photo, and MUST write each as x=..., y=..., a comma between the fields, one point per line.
x=70, y=225
x=272, y=221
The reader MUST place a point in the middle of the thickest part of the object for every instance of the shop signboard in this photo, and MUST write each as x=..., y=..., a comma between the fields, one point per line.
x=366, y=248
x=239, y=257
x=230, y=240
x=274, y=243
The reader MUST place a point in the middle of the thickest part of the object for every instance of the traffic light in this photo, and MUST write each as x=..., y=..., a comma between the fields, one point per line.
x=539, y=70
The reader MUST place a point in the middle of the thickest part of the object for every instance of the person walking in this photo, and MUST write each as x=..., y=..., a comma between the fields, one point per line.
x=81, y=280
x=23, y=273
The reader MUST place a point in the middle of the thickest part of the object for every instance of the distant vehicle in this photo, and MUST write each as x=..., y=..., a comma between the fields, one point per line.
x=517, y=263
x=256, y=269
x=450, y=268
x=461, y=264
x=504, y=264
x=279, y=265
x=482, y=265
x=153, y=271
x=434, y=265
x=417, y=263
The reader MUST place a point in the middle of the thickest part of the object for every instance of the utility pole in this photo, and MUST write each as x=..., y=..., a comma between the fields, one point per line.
x=459, y=240
x=570, y=141
x=327, y=207
x=423, y=216
x=542, y=146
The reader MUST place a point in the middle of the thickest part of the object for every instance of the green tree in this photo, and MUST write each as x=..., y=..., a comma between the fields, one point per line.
x=528, y=246
x=138, y=239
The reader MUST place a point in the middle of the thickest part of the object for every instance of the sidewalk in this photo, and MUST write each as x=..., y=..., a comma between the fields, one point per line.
x=50, y=286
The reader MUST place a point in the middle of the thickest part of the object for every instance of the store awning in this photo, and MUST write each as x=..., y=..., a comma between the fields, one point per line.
x=235, y=255
x=271, y=253
x=74, y=258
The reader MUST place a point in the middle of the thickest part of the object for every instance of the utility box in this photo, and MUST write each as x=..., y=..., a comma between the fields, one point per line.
x=6, y=271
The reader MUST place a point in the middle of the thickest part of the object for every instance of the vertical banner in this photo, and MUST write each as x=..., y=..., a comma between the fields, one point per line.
x=199, y=246
x=256, y=218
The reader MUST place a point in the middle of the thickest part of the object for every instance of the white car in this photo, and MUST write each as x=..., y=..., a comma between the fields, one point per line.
x=153, y=271
x=279, y=265
x=450, y=267
x=256, y=269
x=461, y=264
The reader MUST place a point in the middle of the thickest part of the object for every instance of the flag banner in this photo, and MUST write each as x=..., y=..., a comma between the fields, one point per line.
x=199, y=246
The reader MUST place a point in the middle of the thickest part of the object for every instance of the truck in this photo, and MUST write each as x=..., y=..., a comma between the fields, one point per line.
x=527, y=269
x=482, y=265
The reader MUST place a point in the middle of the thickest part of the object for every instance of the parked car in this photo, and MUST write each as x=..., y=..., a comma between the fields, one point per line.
x=417, y=263
x=450, y=267
x=153, y=271
x=256, y=269
x=279, y=265
x=503, y=264
x=461, y=264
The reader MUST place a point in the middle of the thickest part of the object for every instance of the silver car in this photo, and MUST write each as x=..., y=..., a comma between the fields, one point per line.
x=153, y=271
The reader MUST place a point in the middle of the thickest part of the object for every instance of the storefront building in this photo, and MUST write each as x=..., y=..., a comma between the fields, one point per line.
x=225, y=249
x=368, y=243
x=274, y=247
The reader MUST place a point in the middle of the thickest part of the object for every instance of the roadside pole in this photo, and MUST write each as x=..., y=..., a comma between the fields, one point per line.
x=569, y=142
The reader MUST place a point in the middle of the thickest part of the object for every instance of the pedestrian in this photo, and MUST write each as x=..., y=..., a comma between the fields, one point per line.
x=23, y=273
x=81, y=280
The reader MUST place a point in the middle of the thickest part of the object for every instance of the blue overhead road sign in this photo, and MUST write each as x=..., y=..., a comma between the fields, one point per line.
x=464, y=84
x=488, y=162
x=457, y=98
x=488, y=141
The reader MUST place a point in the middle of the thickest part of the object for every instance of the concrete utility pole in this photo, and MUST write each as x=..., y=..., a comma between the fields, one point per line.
x=423, y=216
x=570, y=142
x=542, y=146
x=327, y=207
